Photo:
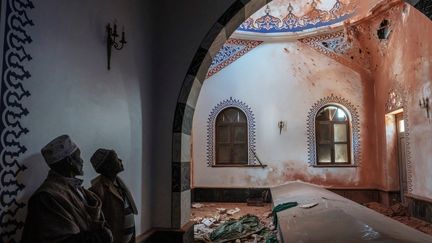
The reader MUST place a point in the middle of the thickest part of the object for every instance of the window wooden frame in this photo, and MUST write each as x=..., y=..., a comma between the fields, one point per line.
x=331, y=142
x=232, y=143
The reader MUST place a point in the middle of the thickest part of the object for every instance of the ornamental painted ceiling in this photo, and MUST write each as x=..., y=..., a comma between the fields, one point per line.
x=291, y=16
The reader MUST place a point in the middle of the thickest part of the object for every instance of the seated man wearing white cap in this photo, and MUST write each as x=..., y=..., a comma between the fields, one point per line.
x=118, y=204
x=61, y=210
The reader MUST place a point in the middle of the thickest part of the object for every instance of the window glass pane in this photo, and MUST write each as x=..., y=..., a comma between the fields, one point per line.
x=323, y=133
x=240, y=134
x=340, y=132
x=240, y=154
x=341, y=153
x=401, y=126
x=340, y=115
x=231, y=114
x=223, y=134
x=323, y=114
x=223, y=153
x=241, y=117
x=324, y=153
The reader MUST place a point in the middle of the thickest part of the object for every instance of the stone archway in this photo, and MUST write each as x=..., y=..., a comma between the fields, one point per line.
x=186, y=102
x=181, y=139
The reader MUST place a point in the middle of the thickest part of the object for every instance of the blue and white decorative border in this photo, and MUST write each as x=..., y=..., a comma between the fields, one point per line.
x=314, y=18
x=13, y=93
x=231, y=50
x=355, y=127
x=211, y=122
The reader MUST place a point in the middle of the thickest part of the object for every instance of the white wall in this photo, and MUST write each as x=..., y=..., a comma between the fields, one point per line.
x=278, y=81
x=72, y=92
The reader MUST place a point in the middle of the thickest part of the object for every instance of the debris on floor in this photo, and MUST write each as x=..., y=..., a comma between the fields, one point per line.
x=400, y=213
x=234, y=222
x=233, y=211
x=197, y=205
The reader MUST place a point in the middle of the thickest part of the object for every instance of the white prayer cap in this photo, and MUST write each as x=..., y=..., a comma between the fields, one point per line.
x=58, y=149
x=99, y=157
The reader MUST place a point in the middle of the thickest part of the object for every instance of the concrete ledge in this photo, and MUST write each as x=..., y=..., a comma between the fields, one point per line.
x=335, y=218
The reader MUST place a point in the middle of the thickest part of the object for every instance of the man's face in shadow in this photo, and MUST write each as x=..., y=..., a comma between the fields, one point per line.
x=77, y=163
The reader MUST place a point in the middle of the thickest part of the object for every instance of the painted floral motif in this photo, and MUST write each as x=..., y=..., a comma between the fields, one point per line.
x=394, y=101
x=329, y=44
x=232, y=50
x=314, y=18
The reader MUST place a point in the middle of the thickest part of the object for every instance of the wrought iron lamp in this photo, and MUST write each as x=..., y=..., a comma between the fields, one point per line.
x=281, y=125
x=111, y=41
x=424, y=103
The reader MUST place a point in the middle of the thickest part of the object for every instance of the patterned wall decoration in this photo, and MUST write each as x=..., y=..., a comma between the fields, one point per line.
x=231, y=50
x=340, y=46
x=333, y=44
x=396, y=100
x=211, y=121
x=13, y=93
x=291, y=22
x=355, y=127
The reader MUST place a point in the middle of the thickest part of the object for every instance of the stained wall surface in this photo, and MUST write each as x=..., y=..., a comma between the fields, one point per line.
x=281, y=81
x=403, y=61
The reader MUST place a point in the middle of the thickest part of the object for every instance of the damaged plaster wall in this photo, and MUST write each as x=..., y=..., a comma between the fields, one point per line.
x=404, y=60
x=282, y=81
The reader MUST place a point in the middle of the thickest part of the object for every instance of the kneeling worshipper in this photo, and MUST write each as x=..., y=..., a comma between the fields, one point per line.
x=61, y=210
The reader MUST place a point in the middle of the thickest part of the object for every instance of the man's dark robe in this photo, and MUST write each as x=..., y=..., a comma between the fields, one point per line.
x=113, y=204
x=61, y=208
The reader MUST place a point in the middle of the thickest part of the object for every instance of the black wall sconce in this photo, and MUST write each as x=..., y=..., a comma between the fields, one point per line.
x=281, y=125
x=111, y=41
x=424, y=103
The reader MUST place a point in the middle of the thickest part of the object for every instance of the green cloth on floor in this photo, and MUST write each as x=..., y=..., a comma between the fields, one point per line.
x=236, y=229
x=281, y=207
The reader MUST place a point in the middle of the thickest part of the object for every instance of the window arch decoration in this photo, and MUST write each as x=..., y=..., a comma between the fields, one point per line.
x=211, y=125
x=354, y=124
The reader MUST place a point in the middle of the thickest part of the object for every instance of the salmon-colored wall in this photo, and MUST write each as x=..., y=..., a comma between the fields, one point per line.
x=404, y=60
x=282, y=81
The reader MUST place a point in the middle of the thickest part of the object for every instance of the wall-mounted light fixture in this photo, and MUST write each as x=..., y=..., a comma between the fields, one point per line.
x=424, y=103
x=281, y=125
x=111, y=41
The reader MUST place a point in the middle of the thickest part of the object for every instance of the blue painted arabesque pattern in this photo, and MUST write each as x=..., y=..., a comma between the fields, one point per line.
x=231, y=50
x=13, y=93
x=211, y=121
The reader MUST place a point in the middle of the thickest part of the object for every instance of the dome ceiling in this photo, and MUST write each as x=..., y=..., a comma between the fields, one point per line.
x=293, y=16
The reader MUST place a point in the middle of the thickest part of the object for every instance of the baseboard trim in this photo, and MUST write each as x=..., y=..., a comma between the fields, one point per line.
x=159, y=235
x=233, y=195
x=420, y=207
x=241, y=195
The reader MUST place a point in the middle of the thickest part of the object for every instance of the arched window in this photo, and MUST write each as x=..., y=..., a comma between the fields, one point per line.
x=231, y=137
x=333, y=139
